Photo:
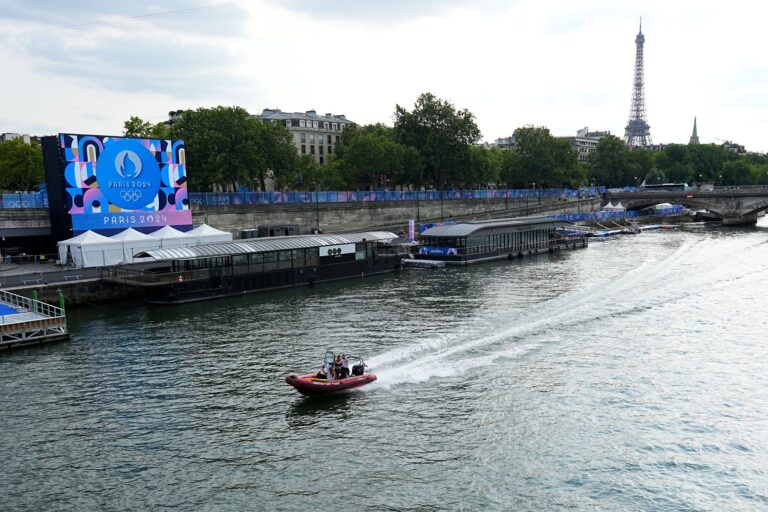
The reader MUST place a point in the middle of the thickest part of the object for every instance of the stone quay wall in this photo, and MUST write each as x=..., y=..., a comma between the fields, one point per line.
x=390, y=215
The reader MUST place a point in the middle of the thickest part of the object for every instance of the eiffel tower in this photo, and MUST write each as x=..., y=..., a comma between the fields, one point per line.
x=638, y=132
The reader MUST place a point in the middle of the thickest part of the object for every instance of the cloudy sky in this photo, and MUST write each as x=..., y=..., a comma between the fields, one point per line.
x=86, y=66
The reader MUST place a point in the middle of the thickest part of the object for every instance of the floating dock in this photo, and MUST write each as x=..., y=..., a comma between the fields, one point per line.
x=25, y=321
x=414, y=263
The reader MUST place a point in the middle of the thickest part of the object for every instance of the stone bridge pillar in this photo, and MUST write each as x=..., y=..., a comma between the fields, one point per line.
x=736, y=219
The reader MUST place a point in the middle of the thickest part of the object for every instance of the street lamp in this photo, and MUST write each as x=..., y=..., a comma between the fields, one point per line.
x=442, y=194
x=418, y=192
x=317, y=206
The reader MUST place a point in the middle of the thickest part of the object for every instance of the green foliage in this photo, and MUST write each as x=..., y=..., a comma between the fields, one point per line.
x=138, y=128
x=220, y=145
x=225, y=145
x=21, y=165
x=544, y=159
x=441, y=134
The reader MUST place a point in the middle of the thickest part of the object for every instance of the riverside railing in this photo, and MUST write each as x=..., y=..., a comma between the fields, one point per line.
x=34, y=305
x=314, y=197
x=631, y=214
x=24, y=200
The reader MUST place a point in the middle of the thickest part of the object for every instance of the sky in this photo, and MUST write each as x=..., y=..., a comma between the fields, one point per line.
x=83, y=66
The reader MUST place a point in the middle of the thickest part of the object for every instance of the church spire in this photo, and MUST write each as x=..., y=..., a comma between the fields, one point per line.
x=695, y=134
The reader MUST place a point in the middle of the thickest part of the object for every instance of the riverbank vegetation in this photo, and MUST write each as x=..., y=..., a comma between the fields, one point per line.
x=431, y=145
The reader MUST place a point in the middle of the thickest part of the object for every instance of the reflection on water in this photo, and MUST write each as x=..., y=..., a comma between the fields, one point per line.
x=626, y=376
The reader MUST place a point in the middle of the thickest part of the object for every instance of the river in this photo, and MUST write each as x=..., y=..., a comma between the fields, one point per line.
x=631, y=375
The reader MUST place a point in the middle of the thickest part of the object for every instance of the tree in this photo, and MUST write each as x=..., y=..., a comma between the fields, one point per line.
x=276, y=153
x=484, y=168
x=675, y=164
x=21, y=165
x=369, y=156
x=512, y=173
x=441, y=134
x=738, y=172
x=139, y=128
x=543, y=158
x=609, y=162
x=221, y=145
x=641, y=164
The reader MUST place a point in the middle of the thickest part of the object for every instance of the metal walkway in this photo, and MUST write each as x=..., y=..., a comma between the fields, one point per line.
x=25, y=321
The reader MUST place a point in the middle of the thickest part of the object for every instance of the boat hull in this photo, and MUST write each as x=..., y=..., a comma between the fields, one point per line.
x=311, y=386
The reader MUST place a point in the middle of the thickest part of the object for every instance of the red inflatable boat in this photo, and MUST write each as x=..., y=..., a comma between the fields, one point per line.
x=335, y=376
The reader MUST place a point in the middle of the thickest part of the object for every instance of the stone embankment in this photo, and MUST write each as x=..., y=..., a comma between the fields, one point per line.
x=334, y=218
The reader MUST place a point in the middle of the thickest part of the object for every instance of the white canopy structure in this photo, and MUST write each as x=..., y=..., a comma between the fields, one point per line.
x=90, y=249
x=133, y=242
x=170, y=237
x=618, y=207
x=206, y=234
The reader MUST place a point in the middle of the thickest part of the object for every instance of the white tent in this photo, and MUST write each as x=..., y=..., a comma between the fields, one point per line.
x=135, y=241
x=608, y=207
x=618, y=207
x=170, y=237
x=90, y=249
x=206, y=234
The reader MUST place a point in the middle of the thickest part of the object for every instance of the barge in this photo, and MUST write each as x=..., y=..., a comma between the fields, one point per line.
x=188, y=274
x=479, y=241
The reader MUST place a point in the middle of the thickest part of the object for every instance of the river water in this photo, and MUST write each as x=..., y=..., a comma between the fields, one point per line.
x=631, y=375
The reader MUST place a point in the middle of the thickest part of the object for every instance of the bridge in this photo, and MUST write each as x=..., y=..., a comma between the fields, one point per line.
x=736, y=205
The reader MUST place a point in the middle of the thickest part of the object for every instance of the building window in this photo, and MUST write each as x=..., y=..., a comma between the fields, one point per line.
x=330, y=149
x=303, y=137
x=314, y=124
x=325, y=125
x=303, y=149
x=301, y=123
x=337, y=139
x=335, y=126
x=312, y=149
x=288, y=123
x=329, y=138
x=341, y=126
x=311, y=138
x=321, y=160
x=320, y=148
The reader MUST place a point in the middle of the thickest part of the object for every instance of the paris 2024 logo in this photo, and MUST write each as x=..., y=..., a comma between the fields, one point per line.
x=128, y=174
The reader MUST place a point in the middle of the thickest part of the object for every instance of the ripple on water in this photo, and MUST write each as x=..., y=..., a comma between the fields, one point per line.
x=628, y=376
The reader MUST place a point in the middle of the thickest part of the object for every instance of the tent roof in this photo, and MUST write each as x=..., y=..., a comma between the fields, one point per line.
x=89, y=238
x=131, y=234
x=168, y=232
x=205, y=229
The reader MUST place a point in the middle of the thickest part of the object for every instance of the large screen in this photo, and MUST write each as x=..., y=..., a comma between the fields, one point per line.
x=113, y=183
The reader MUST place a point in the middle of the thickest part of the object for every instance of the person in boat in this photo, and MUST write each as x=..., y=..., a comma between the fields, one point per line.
x=322, y=373
x=341, y=366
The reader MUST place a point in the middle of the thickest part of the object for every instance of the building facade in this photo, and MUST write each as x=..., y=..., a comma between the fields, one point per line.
x=5, y=137
x=313, y=134
x=585, y=142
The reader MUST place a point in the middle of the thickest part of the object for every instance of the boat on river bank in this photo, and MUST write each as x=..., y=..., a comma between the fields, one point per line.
x=473, y=242
x=188, y=274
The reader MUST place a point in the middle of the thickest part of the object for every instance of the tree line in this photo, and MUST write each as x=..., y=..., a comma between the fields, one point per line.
x=431, y=145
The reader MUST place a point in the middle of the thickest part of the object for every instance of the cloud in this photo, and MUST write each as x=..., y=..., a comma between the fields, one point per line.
x=381, y=12
x=184, y=54
x=557, y=64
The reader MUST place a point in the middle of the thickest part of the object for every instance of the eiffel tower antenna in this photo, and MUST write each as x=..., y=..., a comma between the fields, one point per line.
x=637, y=132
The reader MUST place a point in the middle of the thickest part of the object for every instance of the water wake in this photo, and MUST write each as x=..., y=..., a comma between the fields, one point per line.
x=488, y=338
